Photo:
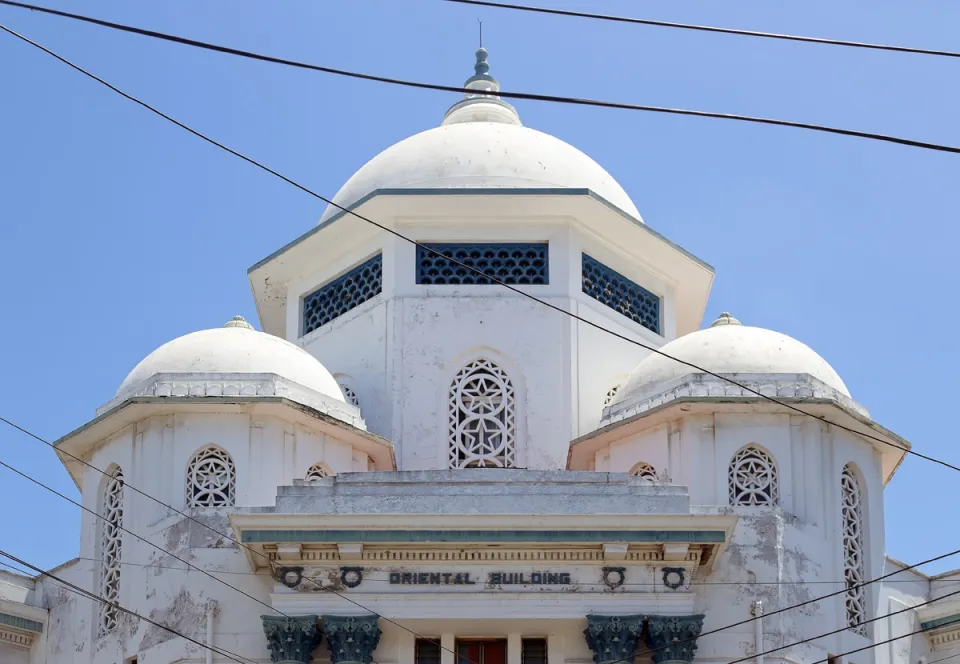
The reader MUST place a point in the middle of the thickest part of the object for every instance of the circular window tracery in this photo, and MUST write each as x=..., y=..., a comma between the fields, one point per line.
x=211, y=479
x=482, y=426
x=753, y=478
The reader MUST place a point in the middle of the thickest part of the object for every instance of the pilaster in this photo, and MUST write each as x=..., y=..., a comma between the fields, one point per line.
x=673, y=639
x=292, y=639
x=351, y=639
x=613, y=638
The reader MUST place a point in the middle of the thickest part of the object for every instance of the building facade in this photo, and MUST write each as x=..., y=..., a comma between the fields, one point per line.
x=416, y=462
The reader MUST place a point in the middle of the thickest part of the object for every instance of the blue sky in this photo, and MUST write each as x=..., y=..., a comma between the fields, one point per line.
x=122, y=232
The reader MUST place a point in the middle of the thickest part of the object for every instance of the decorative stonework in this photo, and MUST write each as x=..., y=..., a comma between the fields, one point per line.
x=238, y=385
x=698, y=386
x=318, y=471
x=482, y=430
x=613, y=638
x=644, y=470
x=752, y=478
x=111, y=542
x=211, y=479
x=291, y=640
x=853, y=551
x=621, y=294
x=673, y=638
x=508, y=262
x=351, y=639
x=18, y=632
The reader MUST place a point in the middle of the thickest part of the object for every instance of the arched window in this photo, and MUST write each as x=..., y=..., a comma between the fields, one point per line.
x=111, y=541
x=611, y=393
x=753, y=478
x=318, y=471
x=350, y=395
x=851, y=512
x=483, y=419
x=644, y=470
x=211, y=479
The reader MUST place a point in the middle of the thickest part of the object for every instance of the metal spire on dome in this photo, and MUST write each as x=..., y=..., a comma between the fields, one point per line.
x=725, y=319
x=481, y=104
x=238, y=321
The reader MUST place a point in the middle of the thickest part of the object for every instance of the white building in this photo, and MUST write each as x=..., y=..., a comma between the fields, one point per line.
x=411, y=462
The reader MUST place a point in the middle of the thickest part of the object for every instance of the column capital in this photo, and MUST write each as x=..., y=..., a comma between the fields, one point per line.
x=351, y=639
x=673, y=639
x=291, y=640
x=613, y=638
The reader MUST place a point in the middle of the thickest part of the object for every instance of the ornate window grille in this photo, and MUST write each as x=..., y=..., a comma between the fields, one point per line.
x=644, y=470
x=211, y=479
x=753, y=478
x=627, y=298
x=853, y=550
x=350, y=395
x=511, y=263
x=611, y=394
x=483, y=418
x=111, y=541
x=343, y=294
x=318, y=471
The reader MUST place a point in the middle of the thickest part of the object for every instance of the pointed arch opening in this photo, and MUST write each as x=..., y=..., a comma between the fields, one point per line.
x=482, y=430
x=753, y=478
x=111, y=544
x=211, y=478
x=851, y=516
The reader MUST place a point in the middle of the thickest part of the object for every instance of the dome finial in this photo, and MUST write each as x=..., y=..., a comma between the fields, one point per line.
x=238, y=321
x=480, y=102
x=725, y=319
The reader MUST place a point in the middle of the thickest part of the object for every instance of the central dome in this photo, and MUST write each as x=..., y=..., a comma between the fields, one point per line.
x=481, y=144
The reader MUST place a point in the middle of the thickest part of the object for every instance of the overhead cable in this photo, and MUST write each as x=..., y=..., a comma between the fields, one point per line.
x=492, y=279
x=508, y=95
x=709, y=28
x=86, y=593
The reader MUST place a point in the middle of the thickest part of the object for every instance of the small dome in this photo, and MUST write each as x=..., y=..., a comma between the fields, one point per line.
x=481, y=144
x=235, y=348
x=728, y=347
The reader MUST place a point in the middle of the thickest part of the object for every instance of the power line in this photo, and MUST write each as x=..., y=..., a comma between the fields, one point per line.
x=709, y=28
x=119, y=607
x=142, y=539
x=884, y=642
x=393, y=622
x=469, y=268
x=844, y=628
x=508, y=95
x=494, y=280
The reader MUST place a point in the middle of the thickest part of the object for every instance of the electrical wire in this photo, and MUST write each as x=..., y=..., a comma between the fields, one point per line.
x=463, y=265
x=393, y=622
x=142, y=539
x=708, y=28
x=507, y=95
x=86, y=593
x=882, y=643
x=844, y=629
x=494, y=280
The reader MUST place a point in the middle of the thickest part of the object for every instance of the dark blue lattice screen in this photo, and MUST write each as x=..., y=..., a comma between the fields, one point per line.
x=511, y=263
x=342, y=294
x=620, y=294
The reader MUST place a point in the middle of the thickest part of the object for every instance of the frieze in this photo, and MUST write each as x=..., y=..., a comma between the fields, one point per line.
x=371, y=554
